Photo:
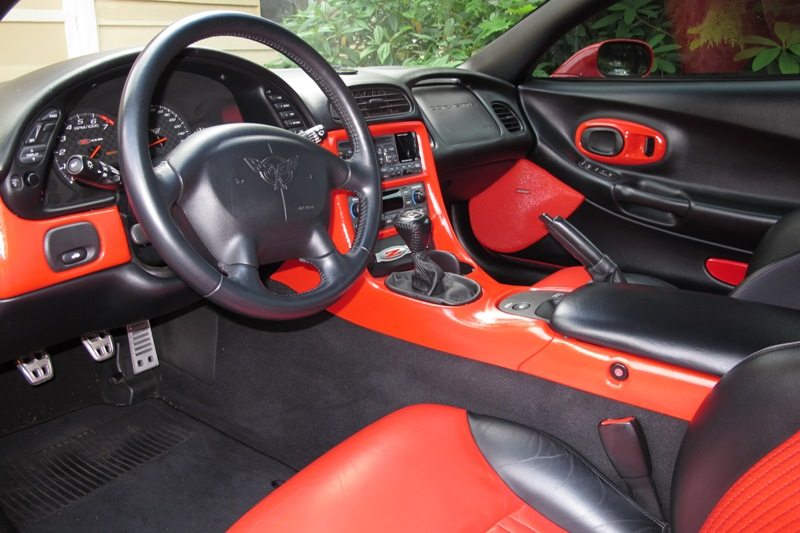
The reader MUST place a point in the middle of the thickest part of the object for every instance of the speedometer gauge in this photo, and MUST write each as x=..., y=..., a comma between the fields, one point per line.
x=91, y=134
x=167, y=130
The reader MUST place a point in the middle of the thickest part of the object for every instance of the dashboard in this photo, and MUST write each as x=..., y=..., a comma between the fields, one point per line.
x=85, y=267
x=81, y=120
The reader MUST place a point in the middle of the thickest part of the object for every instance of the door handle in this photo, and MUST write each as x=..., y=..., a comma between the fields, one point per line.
x=670, y=204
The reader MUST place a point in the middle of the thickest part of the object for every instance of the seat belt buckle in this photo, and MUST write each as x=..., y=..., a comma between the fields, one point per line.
x=626, y=447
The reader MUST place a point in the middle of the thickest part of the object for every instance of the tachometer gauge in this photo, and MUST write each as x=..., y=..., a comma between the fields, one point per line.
x=167, y=130
x=91, y=134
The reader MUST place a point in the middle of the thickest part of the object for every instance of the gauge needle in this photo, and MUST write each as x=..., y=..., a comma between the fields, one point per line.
x=111, y=152
x=162, y=140
x=94, y=152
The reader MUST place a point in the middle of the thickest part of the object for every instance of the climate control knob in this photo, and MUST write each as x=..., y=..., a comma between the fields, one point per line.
x=418, y=197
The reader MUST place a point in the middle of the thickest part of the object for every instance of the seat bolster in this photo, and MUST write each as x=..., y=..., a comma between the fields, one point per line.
x=417, y=469
x=556, y=480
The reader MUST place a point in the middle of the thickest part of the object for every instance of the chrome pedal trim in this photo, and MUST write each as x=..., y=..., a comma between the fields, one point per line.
x=143, y=348
x=100, y=345
x=36, y=367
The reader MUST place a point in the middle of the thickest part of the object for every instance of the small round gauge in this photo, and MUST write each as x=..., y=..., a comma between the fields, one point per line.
x=167, y=130
x=87, y=133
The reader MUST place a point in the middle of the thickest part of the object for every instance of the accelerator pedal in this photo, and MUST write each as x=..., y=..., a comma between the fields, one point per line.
x=143, y=348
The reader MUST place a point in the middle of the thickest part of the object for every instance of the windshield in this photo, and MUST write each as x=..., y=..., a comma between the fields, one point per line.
x=346, y=32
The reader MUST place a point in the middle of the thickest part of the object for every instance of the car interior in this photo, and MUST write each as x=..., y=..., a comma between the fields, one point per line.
x=397, y=298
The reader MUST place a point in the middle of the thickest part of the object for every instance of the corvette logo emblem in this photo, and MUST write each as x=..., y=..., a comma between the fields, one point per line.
x=276, y=171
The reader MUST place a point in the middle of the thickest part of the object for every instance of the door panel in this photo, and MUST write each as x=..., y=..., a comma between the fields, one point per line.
x=728, y=171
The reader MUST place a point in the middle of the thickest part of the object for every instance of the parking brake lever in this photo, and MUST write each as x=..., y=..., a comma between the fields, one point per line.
x=598, y=264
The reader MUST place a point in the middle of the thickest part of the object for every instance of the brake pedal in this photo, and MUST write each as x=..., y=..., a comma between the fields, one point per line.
x=36, y=367
x=100, y=345
x=143, y=348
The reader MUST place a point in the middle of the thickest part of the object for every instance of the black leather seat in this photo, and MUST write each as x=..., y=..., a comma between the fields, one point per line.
x=437, y=468
x=773, y=270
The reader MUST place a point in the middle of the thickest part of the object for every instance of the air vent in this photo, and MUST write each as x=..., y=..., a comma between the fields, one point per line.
x=507, y=117
x=377, y=102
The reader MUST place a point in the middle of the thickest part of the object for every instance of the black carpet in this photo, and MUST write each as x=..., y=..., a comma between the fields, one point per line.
x=142, y=468
x=296, y=389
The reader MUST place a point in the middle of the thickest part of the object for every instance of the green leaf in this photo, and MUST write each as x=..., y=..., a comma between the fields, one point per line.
x=656, y=39
x=630, y=16
x=758, y=40
x=749, y=53
x=765, y=58
x=788, y=64
x=608, y=20
x=384, y=51
x=795, y=49
x=783, y=30
x=665, y=66
x=667, y=48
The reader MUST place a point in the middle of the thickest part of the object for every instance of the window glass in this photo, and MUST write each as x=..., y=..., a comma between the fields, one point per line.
x=692, y=37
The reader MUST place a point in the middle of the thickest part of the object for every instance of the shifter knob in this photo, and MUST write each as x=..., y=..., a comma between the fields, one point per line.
x=414, y=226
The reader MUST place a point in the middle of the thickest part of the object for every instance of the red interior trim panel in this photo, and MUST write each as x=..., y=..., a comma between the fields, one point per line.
x=726, y=271
x=620, y=142
x=479, y=330
x=505, y=216
x=24, y=266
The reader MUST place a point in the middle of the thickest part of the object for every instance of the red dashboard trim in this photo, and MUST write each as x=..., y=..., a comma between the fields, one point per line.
x=23, y=265
x=480, y=331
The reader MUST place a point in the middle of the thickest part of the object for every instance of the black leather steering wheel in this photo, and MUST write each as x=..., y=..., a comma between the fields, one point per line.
x=236, y=196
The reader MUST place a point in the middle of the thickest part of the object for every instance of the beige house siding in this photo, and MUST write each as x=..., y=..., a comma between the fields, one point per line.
x=54, y=30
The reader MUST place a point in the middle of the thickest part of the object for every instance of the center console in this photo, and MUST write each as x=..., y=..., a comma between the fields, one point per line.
x=399, y=157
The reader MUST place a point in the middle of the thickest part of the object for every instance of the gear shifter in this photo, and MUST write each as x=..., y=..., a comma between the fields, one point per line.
x=414, y=226
x=436, y=275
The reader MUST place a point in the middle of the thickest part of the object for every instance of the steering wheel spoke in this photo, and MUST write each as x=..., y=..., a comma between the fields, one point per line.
x=169, y=183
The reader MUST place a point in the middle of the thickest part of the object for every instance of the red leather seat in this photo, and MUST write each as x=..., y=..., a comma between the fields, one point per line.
x=439, y=468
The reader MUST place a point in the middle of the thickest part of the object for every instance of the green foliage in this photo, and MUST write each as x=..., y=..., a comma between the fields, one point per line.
x=781, y=56
x=404, y=32
x=628, y=19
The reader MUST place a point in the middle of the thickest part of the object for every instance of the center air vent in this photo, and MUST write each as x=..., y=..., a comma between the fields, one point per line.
x=507, y=117
x=377, y=102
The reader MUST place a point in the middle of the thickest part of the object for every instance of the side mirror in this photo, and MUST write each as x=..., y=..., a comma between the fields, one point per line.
x=614, y=58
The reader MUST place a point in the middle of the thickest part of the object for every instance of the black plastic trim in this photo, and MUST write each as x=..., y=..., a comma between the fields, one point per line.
x=104, y=300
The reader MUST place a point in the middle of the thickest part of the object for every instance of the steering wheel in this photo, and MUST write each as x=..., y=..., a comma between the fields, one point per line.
x=236, y=196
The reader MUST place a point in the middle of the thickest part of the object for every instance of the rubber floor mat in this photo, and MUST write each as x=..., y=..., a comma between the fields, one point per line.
x=146, y=469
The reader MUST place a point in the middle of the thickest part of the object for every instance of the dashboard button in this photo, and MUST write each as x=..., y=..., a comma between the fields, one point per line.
x=72, y=257
x=31, y=155
x=16, y=182
x=50, y=114
x=32, y=179
x=34, y=133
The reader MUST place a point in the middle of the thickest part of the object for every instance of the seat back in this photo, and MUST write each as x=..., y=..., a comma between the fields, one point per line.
x=775, y=266
x=739, y=464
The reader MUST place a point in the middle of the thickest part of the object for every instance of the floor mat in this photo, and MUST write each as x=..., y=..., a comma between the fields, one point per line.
x=139, y=468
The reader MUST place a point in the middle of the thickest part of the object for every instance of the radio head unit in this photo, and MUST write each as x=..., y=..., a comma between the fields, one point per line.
x=398, y=154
